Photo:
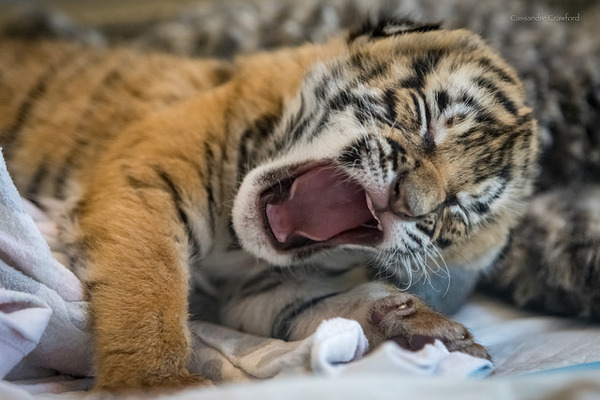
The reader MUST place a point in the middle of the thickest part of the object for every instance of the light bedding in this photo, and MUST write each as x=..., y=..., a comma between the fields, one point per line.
x=45, y=342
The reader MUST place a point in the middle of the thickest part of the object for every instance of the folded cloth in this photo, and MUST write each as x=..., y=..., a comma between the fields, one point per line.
x=45, y=339
x=335, y=342
x=23, y=320
x=42, y=314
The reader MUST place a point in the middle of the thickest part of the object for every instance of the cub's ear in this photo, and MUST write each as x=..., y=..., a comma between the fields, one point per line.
x=385, y=26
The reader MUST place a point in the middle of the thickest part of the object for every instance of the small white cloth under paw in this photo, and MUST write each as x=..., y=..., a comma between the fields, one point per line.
x=339, y=341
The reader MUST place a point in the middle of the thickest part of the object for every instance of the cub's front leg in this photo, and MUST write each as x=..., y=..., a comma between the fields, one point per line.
x=291, y=307
x=135, y=237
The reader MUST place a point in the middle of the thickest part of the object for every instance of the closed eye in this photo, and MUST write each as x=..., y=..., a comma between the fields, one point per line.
x=452, y=116
x=481, y=200
x=456, y=114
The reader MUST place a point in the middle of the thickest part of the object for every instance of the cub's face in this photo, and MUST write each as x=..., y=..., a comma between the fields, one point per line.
x=410, y=145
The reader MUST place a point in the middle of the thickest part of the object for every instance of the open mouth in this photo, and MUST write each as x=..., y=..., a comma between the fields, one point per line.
x=320, y=206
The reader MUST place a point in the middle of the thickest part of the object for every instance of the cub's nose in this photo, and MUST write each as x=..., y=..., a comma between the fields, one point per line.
x=416, y=194
x=398, y=203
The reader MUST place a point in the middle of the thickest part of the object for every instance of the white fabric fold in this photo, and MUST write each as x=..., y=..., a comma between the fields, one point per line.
x=23, y=320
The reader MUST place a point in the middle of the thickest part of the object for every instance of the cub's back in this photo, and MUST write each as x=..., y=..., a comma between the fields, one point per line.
x=61, y=103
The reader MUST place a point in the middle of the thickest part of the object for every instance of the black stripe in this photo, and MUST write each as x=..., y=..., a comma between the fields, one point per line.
x=442, y=100
x=93, y=285
x=378, y=70
x=357, y=61
x=136, y=183
x=425, y=229
x=251, y=147
x=422, y=66
x=483, y=116
x=195, y=248
x=63, y=173
x=206, y=181
x=71, y=160
x=263, y=276
x=352, y=153
x=78, y=254
x=428, y=140
x=296, y=127
x=35, y=185
x=319, y=91
x=480, y=207
x=10, y=134
x=332, y=273
x=384, y=26
x=340, y=101
x=397, y=147
x=337, y=102
x=389, y=99
x=398, y=152
x=415, y=239
x=234, y=243
x=383, y=158
x=506, y=174
x=371, y=107
x=260, y=288
x=497, y=93
x=470, y=101
x=37, y=204
x=300, y=128
x=417, y=109
x=487, y=118
x=282, y=324
x=362, y=115
x=443, y=243
x=370, y=154
x=243, y=156
x=368, y=67
x=486, y=64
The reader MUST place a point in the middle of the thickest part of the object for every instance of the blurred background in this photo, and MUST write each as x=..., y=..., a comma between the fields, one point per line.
x=105, y=13
x=553, y=44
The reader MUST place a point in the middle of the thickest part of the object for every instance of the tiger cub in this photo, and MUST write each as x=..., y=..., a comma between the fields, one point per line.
x=282, y=183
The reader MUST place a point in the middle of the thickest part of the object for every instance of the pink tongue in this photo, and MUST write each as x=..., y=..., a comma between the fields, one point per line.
x=321, y=205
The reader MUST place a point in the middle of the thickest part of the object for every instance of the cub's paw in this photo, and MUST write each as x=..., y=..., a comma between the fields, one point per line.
x=405, y=319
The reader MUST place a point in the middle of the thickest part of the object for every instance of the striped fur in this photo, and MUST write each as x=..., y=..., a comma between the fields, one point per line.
x=155, y=167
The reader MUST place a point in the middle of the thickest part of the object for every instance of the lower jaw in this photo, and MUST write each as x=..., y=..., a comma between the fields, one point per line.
x=363, y=237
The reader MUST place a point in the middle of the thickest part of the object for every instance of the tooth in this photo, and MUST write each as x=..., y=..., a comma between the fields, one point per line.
x=370, y=207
